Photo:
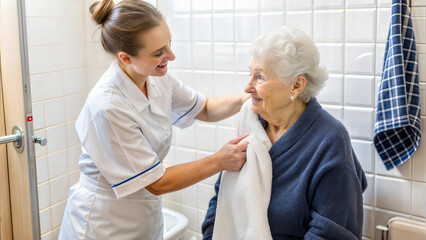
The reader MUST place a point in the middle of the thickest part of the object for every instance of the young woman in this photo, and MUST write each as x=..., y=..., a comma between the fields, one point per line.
x=125, y=129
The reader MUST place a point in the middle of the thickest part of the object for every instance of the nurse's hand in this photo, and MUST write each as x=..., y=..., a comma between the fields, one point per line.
x=232, y=155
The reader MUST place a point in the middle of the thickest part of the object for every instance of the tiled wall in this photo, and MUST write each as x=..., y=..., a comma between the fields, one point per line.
x=58, y=75
x=211, y=39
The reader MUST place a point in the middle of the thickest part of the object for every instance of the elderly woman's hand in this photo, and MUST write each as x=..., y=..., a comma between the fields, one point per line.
x=232, y=155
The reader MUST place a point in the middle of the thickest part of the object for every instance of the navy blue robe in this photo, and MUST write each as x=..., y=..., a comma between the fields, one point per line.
x=317, y=182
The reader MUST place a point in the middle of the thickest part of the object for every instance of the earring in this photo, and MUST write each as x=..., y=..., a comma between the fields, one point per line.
x=292, y=98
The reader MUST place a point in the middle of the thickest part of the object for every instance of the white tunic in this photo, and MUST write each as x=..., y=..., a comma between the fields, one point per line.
x=124, y=137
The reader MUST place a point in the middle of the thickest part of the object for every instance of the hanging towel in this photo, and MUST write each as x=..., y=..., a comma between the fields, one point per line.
x=397, y=127
x=243, y=200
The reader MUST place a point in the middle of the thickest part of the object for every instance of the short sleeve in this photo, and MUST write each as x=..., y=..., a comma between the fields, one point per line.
x=121, y=152
x=186, y=104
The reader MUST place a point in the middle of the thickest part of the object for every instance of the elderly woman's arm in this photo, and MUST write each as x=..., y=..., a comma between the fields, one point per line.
x=337, y=207
x=208, y=224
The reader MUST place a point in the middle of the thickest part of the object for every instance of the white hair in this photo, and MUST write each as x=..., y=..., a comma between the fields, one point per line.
x=290, y=53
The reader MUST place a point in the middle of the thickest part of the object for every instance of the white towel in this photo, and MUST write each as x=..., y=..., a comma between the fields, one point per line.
x=243, y=200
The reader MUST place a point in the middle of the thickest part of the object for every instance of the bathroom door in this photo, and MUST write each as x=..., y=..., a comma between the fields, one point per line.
x=19, y=205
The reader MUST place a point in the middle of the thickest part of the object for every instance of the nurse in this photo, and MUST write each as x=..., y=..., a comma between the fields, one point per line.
x=125, y=129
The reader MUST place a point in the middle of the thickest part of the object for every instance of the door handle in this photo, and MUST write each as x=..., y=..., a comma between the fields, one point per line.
x=17, y=138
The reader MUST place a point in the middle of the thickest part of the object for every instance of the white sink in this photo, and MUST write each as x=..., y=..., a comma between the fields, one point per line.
x=175, y=223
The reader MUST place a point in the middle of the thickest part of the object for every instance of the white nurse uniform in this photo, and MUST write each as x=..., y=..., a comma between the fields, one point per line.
x=124, y=137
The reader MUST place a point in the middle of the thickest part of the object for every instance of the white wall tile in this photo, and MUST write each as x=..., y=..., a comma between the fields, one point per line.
x=219, y=5
x=384, y=3
x=360, y=25
x=182, y=50
x=224, y=135
x=190, y=196
x=419, y=25
x=360, y=3
x=328, y=26
x=38, y=115
x=335, y=111
x=332, y=92
x=331, y=56
x=44, y=59
x=206, y=137
x=43, y=191
x=202, y=5
x=45, y=220
x=422, y=62
x=223, y=84
x=383, y=24
x=43, y=30
x=247, y=27
x=380, y=55
x=36, y=82
x=274, y=5
x=56, y=137
x=368, y=195
x=419, y=160
x=186, y=137
x=58, y=163
x=202, y=27
x=223, y=27
x=271, y=21
x=301, y=20
x=180, y=27
x=203, y=82
x=298, y=5
x=53, y=85
x=353, y=95
x=192, y=215
x=359, y=122
x=323, y=4
x=59, y=189
x=241, y=80
x=71, y=30
x=246, y=5
x=73, y=56
x=393, y=194
x=364, y=150
x=73, y=154
x=419, y=199
x=75, y=81
x=184, y=155
x=223, y=56
x=202, y=55
x=368, y=227
x=359, y=58
x=205, y=193
x=54, y=111
x=179, y=5
x=72, y=137
x=57, y=214
x=243, y=56
x=42, y=169
x=73, y=106
x=402, y=171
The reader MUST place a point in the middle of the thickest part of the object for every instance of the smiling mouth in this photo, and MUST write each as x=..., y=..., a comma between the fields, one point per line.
x=257, y=99
x=163, y=65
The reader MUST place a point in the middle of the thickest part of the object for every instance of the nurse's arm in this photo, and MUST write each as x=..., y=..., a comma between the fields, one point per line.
x=219, y=108
x=230, y=157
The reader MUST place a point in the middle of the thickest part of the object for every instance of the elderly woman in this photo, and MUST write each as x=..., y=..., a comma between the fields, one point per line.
x=317, y=181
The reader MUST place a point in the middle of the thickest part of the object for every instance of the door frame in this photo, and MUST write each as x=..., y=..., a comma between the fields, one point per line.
x=18, y=111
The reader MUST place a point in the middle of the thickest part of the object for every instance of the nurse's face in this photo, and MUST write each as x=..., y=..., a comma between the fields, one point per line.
x=152, y=59
x=270, y=96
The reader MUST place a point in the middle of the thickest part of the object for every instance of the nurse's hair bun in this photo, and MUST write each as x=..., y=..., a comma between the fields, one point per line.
x=100, y=10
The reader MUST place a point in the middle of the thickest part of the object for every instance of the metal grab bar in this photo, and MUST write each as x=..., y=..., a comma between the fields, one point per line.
x=17, y=138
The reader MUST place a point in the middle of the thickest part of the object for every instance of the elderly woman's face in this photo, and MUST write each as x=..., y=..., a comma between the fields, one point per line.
x=269, y=95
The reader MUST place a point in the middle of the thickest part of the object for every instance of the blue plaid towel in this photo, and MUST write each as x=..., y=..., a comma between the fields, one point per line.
x=397, y=127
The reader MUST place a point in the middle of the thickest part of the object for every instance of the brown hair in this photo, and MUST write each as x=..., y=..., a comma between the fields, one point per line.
x=122, y=23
